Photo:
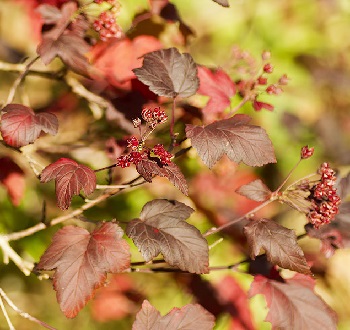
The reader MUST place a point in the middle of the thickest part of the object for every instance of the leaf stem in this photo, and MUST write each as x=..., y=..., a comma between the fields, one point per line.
x=248, y=214
x=21, y=313
x=105, y=168
x=172, y=125
x=239, y=105
x=287, y=178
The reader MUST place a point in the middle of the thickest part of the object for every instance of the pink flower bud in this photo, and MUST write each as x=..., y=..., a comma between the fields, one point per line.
x=283, y=80
x=306, y=152
x=268, y=68
x=265, y=55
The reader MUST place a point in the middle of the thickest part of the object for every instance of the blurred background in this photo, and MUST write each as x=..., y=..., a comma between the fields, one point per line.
x=309, y=41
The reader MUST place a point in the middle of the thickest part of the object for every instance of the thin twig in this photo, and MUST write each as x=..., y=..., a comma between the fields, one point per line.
x=18, y=81
x=23, y=314
x=20, y=67
x=11, y=327
x=40, y=226
x=10, y=254
x=80, y=90
x=216, y=243
x=105, y=168
x=105, y=186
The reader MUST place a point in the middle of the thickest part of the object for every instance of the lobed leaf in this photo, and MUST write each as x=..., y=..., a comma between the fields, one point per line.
x=233, y=137
x=192, y=316
x=81, y=260
x=255, y=190
x=70, y=178
x=169, y=73
x=218, y=86
x=161, y=228
x=21, y=126
x=149, y=168
x=280, y=245
x=294, y=304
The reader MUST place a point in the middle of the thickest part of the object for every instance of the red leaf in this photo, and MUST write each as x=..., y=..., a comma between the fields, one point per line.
x=169, y=73
x=66, y=38
x=218, y=86
x=81, y=261
x=70, y=177
x=235, y=299
x=149, y=168
x=162, y=229
x=120, y=298
x=21, y=126
x=294, y=304
x=279, y=243
x=255, y=190
x=12, y=178
x=108, y=56
x=233, y=137
x=192, y=316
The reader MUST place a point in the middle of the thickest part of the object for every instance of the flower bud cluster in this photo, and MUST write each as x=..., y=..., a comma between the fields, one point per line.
x=139, y=152
x=252, y=87
x=106, y=24
x=154, y=117
x=163, y=155
x=324, y=198
x=306, y=152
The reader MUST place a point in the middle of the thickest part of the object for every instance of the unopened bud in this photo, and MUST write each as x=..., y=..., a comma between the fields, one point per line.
x=306, y=152
x=266, y=55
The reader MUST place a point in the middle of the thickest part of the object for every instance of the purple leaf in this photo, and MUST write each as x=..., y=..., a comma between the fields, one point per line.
x=294, y=304
x=218, y=86
x=343, y=187
x=21, y=126
x=223, y=3
x=335, y=235
x=70, y=177
x=161, y=228
x=81, y=261
x=280, y=245
x=192, y=316
x=169, y=73
x=51, y=14
x=255, y=190
x=233, y=137
x=149, y=168
x=66, y=40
